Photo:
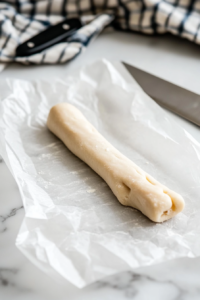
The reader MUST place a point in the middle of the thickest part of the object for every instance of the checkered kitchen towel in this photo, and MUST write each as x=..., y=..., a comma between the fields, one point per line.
x=22, y=19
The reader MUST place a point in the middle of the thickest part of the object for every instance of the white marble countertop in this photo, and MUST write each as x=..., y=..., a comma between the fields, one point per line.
x=168, y=57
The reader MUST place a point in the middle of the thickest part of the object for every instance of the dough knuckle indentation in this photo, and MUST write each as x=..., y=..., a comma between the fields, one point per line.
x=123, y=192
x=149, y=180
x=127, y=191
x=172, y=200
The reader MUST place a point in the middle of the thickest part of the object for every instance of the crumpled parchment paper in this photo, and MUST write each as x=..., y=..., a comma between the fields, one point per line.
x=74, y=227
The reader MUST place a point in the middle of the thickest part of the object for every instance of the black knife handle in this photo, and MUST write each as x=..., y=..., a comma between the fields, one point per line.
x=49, y=37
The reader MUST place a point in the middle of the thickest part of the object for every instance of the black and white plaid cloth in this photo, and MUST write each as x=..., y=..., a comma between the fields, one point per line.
x=22, y=19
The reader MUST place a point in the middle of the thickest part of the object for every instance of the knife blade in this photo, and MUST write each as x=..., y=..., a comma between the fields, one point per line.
x=173, y=97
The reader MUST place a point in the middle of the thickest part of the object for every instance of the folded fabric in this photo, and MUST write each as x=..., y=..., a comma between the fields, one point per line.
x=22, y=19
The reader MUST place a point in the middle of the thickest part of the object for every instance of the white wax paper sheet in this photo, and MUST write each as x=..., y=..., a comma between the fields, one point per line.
x=74, y=227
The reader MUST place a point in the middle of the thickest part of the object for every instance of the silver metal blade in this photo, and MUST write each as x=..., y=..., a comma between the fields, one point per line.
x=175, y=98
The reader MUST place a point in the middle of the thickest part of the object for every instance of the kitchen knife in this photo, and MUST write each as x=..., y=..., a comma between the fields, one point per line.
x=52, y=35
x=173, y=97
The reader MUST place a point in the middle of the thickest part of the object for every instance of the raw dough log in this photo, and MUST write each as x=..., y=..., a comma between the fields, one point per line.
x=130, y=184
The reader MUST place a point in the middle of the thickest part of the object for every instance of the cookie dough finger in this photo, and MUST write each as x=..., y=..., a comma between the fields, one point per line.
x=130, y=184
